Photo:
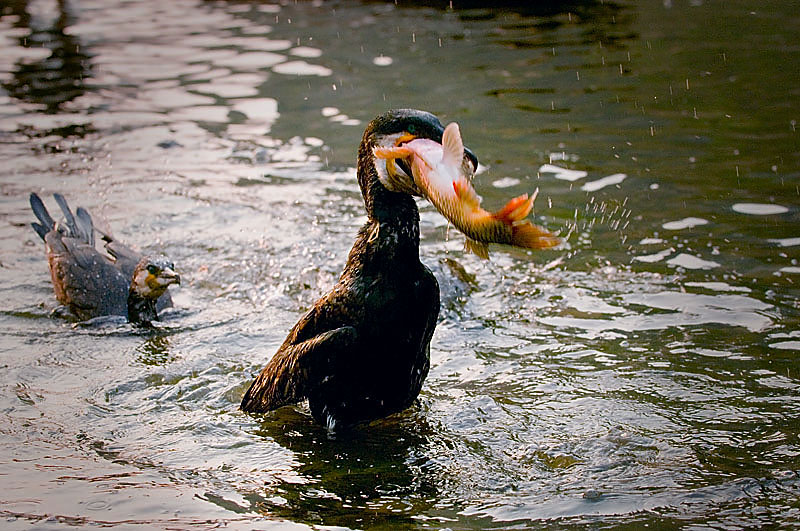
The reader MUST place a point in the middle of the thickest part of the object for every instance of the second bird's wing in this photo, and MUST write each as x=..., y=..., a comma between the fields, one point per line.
x=84, y=279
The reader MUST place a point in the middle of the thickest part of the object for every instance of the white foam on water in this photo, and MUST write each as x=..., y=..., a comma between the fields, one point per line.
x=564, y=174
x=301, y=68
x=599, y=184
x=506, y=182
x=655, y=257
x=685, y=223
x=759, y=209
x=786, y=345
x=717, y=286
x=684, y=309
x=382, y=60
x=785, y=242
x=691, y=262
x=306, y=51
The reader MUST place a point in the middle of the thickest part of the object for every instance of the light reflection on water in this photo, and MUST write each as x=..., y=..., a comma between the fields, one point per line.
x=644, y=374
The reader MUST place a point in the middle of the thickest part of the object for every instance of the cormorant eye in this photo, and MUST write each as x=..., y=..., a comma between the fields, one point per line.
x=152, y=269
x=411, y=128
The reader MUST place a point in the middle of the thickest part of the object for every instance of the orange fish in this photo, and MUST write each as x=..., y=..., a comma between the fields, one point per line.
x=443, y=176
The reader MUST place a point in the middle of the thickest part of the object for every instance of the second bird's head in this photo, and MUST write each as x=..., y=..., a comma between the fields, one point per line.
x=153, y=276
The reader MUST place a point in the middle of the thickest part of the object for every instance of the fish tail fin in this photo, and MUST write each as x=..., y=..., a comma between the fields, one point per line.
x=530, y=236
x=478, y=248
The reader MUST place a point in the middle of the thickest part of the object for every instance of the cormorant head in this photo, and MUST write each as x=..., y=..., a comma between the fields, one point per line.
x=395, y=128
x=152, y=276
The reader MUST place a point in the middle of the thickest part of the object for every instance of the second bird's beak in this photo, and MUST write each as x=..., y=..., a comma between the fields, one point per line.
x=168, y=276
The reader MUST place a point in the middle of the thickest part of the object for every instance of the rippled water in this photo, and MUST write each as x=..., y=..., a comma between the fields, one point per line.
x=646, y=373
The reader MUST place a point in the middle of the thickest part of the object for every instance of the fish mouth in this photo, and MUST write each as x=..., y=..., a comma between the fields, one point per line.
x=404, y=163
x=405, y=167
x=399, y=176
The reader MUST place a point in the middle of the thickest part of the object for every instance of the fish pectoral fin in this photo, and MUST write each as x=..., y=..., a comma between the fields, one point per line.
x=452, y=146
x=398, y=152
x=478, y=248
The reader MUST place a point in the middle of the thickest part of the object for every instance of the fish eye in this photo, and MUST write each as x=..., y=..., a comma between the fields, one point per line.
x=152, y=269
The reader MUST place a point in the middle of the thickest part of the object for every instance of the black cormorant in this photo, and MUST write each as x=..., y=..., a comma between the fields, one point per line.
x=362, y=351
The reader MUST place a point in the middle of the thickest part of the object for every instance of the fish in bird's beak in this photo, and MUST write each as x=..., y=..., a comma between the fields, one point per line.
x=404, y=164
x=396, y=173
x=442, y=173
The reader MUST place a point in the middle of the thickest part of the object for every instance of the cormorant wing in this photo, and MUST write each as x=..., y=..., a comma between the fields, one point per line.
x=125, y=257
x=297, y=364
x=85, y=280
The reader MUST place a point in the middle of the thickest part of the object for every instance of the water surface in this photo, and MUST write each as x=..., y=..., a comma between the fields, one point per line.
x=645, y=373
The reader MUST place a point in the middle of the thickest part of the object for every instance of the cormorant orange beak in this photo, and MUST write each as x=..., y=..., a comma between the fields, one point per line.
x=407, y=137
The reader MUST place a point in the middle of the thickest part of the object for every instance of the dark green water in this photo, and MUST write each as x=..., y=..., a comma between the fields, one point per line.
x=645, y=374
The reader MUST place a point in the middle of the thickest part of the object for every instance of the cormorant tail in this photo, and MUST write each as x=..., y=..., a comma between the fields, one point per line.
x=84, y=222
x=68, y=216
x=80, y=227
x=40, y=211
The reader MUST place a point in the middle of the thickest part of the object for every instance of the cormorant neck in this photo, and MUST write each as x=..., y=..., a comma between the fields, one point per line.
x=388, y=245
x=390, y=238
x=141, y=311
